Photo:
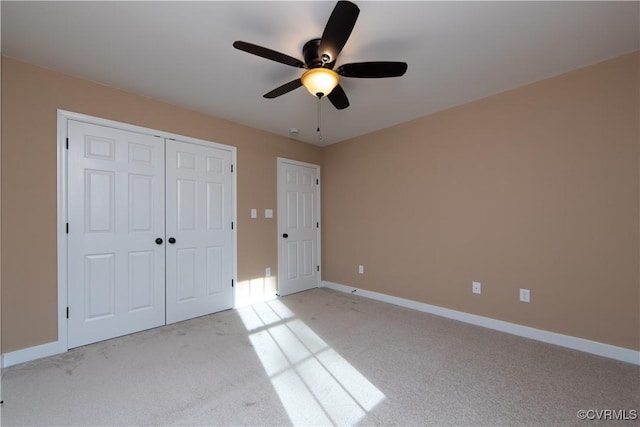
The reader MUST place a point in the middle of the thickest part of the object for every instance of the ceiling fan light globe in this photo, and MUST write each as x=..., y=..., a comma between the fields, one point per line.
x=320, y=80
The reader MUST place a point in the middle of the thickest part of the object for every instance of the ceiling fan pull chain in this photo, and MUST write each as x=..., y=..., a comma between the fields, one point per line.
x=319, y=120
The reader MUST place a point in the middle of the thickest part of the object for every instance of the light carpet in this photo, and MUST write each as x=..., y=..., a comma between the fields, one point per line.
x=319, y=357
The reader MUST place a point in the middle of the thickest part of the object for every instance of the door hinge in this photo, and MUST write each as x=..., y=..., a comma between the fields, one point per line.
x=67, y=228
x=317, y=181
x=67, y=143
x=317, y=225
x=67, y=312
x=318, y=268
x=231, y=167
x=232, y=225
x=232, y=283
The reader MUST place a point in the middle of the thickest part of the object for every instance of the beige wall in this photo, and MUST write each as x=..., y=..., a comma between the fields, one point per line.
x=30, y=99
x=533, y=188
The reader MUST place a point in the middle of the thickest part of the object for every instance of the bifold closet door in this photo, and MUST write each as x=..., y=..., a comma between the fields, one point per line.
x=116, y=254
x=199, y=230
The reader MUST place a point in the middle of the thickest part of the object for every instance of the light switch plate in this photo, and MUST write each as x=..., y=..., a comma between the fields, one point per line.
x=268, y=213
x=254, y=213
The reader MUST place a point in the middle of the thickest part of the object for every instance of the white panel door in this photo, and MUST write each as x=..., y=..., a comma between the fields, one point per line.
x=116, y=212
x=199, y=230
x=298, y=227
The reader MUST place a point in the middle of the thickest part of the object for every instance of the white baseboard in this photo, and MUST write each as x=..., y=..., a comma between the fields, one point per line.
x=575, y=343
x=29, y=354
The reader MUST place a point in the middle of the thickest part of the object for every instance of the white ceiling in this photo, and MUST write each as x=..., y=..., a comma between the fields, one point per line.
x=181, y=53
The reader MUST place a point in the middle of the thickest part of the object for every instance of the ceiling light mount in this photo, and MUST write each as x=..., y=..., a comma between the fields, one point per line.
x=319, y=79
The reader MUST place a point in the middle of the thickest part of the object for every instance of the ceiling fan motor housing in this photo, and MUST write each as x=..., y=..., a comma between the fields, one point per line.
x=312, y=56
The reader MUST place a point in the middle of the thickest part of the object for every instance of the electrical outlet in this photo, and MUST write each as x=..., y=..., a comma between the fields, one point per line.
x=361, y=269
x=525, y=295
x=267, y=272
x=476, y=287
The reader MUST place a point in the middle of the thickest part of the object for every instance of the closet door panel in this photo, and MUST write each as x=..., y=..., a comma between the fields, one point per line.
x=199, y=215
x=115, y=213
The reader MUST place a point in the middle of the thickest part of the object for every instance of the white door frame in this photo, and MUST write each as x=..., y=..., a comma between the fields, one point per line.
x=281, y=161
x=63, y=117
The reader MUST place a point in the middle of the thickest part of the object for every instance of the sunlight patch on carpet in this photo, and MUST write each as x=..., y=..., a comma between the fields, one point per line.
x=316, y=385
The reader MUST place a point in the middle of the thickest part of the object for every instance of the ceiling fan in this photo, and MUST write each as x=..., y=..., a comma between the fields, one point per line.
x=320, y=57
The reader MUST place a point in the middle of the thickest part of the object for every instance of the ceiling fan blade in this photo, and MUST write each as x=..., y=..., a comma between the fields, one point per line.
x=338, y=29
x=285, y=88
x=268, y=53
x=372, y=70
x=338, y=98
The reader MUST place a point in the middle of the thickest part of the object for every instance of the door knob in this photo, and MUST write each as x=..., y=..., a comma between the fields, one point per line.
x=158, y=241
x=285, y=235
x=172, y=240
